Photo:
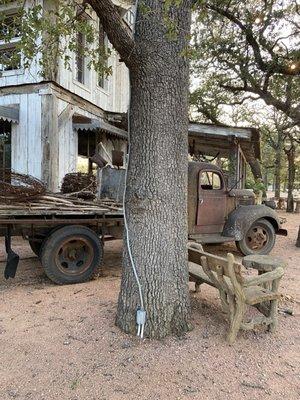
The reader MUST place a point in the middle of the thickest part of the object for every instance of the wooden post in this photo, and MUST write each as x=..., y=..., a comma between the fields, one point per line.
x=50, y=142
x=298, y=239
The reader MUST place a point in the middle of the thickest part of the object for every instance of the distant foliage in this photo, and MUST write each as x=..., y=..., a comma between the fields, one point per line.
x=247, y=51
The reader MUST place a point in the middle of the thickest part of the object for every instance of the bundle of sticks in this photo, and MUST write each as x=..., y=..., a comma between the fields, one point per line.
x=21, y=193
x=80, y=184
x=51, y=203
x=15, y=187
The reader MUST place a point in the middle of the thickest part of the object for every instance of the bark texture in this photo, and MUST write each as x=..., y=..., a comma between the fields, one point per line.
x=291, y=177
x=255, y=167
x=156, y=199
x=278, y=163
x=118, y=33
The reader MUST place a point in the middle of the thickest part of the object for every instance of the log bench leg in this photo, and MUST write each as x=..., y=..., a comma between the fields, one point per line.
x=273, y=314
x=197, y=287
x=236, y=319
x=274, y=307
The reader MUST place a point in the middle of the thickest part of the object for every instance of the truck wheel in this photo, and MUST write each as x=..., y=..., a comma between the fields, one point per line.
x=71, y=254
x=259, y=239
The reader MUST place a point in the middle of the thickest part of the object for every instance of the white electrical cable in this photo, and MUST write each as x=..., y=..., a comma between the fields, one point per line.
x=140, y=331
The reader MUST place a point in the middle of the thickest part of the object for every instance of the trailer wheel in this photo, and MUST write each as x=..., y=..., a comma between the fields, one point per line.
x=71, y=254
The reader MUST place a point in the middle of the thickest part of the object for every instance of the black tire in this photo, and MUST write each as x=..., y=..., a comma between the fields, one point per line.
x=71, y=254
x=264, y=244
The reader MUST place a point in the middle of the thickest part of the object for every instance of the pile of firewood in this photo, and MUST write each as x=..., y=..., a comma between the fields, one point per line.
x=15, y=187
x=24, y=194
x=59, y=204
x=80, y=184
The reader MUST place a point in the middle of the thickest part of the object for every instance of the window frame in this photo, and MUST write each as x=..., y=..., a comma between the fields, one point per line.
x=105, y=86
x=8, y=10
x=222, y=185
x=83, y=60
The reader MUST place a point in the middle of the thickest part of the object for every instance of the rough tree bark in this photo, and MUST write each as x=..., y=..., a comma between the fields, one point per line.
x=290, y=153
x=277, y=164
x=254, y=164
x=255, y=168
x=156, y=200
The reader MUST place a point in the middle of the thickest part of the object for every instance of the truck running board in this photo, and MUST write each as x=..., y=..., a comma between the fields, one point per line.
x=212, y=238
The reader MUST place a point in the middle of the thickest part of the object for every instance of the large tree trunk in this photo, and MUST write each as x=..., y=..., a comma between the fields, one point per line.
x=255, y=167
x=278, y=162
x=291, y=177
x=156, y=198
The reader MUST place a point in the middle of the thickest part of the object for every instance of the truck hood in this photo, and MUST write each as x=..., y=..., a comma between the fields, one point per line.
x=243, y=196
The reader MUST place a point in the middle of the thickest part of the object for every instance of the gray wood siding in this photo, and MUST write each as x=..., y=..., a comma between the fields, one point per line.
x=26, y=135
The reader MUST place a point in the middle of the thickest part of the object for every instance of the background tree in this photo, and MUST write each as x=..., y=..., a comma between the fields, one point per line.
x=251, y=51
x=246, y=67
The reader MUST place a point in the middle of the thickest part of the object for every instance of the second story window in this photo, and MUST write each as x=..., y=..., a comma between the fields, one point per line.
x=10, y=59
x=80, y=58
x=10, y=31
x=10, y=26
x=103, y=44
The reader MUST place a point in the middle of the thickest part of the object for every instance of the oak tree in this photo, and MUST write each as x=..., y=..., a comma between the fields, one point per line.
x=156, y=196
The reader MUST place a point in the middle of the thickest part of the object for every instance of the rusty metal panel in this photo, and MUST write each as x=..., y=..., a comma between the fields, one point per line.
x=240, y=220
x=211, y=201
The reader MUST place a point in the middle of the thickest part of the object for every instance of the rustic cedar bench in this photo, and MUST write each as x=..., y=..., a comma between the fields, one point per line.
x=237, y=291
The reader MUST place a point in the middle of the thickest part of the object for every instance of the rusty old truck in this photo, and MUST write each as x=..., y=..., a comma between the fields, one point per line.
x=218, y=214
x=70, y=243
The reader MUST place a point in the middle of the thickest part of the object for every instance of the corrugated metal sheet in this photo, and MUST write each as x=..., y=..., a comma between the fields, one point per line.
x=97, y=124
x=9, y=113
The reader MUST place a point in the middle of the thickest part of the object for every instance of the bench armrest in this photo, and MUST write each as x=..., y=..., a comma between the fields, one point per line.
x=263, y=278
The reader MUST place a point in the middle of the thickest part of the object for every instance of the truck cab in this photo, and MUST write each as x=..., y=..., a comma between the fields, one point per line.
x=218, y=214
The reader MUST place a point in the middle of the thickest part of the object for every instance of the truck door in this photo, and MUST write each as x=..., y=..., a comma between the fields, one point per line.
x=211, y=202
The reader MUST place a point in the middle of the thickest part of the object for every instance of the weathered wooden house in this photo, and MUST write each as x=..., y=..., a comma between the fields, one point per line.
x=45, y=125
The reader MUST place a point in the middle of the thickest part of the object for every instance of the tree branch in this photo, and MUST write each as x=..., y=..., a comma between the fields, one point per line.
x=292, y=112
x=263, y=65
x=117, y=31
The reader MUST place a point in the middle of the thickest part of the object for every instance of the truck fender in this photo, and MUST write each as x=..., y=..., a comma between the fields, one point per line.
x=239, y=220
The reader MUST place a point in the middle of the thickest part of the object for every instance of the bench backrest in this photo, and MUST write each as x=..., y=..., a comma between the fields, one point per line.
x=217, y=268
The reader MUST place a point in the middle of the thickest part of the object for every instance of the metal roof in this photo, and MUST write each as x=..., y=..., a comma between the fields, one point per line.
x=218, y=130
x=10, y=113
x=221, y=136
x=97, y=124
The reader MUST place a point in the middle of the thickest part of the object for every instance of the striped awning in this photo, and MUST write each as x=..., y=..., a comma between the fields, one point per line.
x=96, y=124
x=9, y=113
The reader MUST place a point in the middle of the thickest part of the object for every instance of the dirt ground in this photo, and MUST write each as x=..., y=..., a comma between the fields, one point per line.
x=60, y=342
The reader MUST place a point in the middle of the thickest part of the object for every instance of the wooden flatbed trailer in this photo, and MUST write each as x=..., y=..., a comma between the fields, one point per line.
x=69, y=240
